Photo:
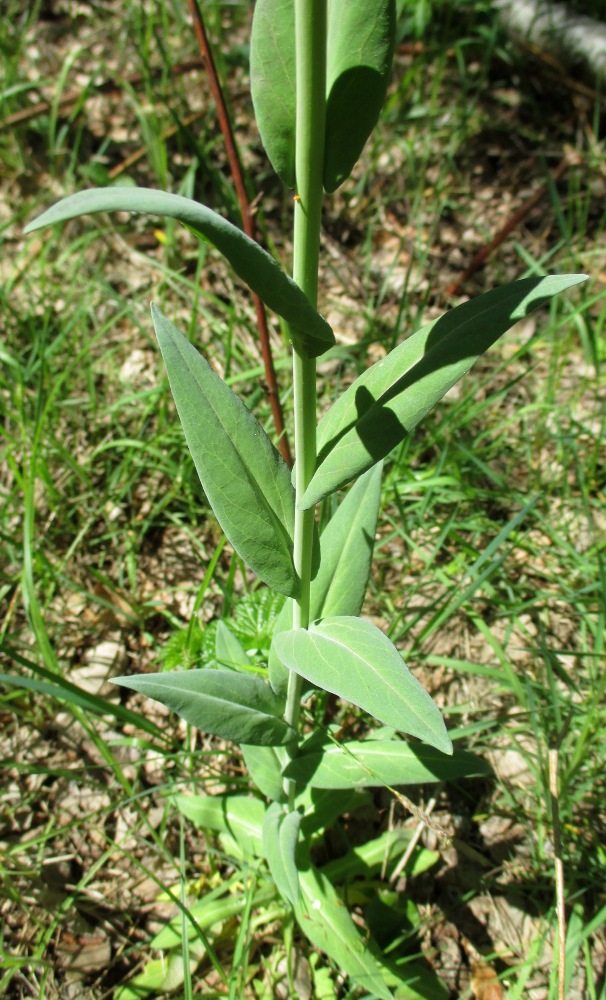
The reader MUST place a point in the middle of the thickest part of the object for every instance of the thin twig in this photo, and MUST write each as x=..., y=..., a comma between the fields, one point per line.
x=559, y=870
x=235, y=167
x=108, y=87
x=414, y=840
x=509, y=226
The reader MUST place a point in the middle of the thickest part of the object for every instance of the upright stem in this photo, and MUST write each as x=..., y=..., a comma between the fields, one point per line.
x=310, y=35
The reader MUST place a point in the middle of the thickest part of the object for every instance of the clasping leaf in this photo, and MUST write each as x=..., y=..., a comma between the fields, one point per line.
x=245, y=479
x=250, y=262
x=280, y=836
x=384, y=404
x=360, y=44
x=381, y=762
x=346, y=551
x=361, y=36
x=233, y=706
x=355, y=660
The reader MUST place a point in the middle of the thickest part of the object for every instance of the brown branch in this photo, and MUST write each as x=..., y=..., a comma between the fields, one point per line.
x=476, y=262
x=106, y=87
x=235, y=167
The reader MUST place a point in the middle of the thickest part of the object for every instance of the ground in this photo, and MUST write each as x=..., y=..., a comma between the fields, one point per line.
x=489, y=570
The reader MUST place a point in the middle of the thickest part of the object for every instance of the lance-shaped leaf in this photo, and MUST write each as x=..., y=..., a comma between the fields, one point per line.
x=280, y=836
x=246, y=481
x=326, y=922
x=272, y=82
x=384, y=404
x=379, y=762
x=250, y=262
x=322, y=807
x=229, y=651
x=264, y=764
x=346, y=547
x=233, y=706
x=355, y=660
x=360, y=43
x=361, y=37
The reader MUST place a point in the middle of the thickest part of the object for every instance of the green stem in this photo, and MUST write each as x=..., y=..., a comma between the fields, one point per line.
x=310, y=35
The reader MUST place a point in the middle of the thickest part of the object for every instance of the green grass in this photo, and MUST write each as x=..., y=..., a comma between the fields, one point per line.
x=490, y=560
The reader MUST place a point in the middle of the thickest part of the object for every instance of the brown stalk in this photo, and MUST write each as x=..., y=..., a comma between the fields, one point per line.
x=235, y=167
x=524, y=209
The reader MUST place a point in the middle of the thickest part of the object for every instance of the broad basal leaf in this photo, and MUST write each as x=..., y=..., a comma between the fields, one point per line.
x=272, y=82
x=384, y=404
x=326, y=922
x=250, y=262
x=246, y=481
x=280, y=836
x=240, y=816
x=346, y=547
x=375, y=762
x=238, y=707
x=361, y=37
x=355, y=660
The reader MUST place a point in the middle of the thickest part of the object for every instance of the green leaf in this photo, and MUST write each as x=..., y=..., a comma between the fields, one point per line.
x=272, y=82
x=245, y=479
x=159, y=977
x=346, y=547
x=378, y=855
x=229, y=651
x=376, y=762
x=361, y=38
x=238, y=815
x=359, y=52
x=277, y=672
x=211, y=911
x=280, y=836
x=326, y=922
x=355, y=660
x=321, y=807
x=238, y=707
x=384, y=404
x=250, y=262
x=264, y=764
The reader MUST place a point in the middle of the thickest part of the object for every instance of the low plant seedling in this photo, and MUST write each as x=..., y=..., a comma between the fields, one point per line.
x=319, y=73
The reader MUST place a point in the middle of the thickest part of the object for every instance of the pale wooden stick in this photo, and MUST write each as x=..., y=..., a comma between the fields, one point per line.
x=559, y=871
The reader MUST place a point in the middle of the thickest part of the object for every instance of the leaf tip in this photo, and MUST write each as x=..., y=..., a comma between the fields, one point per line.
x=123, y=680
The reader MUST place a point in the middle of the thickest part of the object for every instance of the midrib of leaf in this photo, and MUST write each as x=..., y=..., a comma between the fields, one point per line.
x=384, y=683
